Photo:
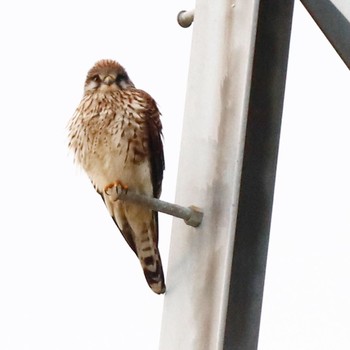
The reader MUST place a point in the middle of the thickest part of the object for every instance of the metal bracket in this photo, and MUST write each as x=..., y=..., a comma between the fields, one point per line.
x=191, y=215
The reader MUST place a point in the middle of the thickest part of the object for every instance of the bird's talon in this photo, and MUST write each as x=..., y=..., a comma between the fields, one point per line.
x=119, y=188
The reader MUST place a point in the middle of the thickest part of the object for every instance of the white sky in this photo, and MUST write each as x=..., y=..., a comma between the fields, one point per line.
x=67, y=278
x=306, y=300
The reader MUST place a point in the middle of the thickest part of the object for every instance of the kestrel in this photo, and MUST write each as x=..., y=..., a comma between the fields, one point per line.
x=116, y=136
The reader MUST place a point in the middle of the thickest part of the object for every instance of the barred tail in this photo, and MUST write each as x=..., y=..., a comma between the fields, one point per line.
x=153, y=270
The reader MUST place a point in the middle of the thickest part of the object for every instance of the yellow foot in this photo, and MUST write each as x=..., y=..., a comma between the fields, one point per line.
x=119, y=187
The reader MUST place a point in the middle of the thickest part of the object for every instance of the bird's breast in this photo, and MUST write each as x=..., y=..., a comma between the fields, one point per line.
x=111, y=144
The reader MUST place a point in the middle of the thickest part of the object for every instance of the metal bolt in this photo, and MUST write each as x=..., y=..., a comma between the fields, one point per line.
x=185, y=18
x=191, y=215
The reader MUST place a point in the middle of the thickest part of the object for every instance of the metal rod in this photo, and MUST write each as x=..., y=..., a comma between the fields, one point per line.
x=185, y=18
x=191, y=215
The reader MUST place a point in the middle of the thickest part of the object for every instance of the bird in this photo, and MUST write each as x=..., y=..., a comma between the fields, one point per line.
x=116, y=137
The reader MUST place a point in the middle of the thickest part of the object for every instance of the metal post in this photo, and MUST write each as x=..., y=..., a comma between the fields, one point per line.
x=209, y=174
x=258, y=174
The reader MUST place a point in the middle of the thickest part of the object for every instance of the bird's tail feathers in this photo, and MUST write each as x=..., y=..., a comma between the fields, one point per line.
x=153, y=270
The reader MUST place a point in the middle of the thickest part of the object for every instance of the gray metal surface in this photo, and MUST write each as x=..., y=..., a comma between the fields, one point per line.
x=258, y=174
x=192, y=215
x=199, y=266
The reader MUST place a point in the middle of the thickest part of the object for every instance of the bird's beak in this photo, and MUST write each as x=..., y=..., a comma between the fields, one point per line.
x=108, y=80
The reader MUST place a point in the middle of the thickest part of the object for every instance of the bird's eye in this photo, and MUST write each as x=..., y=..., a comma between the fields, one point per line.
x=121, y=77
x=96, y=78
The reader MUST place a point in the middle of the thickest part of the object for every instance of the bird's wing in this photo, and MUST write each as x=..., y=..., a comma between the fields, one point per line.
x=124, y=227
x=157, y=162
x=154, y=127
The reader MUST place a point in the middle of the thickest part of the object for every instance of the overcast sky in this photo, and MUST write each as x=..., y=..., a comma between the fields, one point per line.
x=68, y=280
x=306, y=299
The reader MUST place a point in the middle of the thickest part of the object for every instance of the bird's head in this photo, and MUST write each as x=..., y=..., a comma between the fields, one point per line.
x=107, y=75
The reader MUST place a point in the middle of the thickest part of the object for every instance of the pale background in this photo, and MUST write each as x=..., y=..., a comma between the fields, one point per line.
x=67, y=278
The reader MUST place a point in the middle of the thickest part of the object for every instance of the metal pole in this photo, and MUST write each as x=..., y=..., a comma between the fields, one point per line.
x=258, y=174
x=209, y=174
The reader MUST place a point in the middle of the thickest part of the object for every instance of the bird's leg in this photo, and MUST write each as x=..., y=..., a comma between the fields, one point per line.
x=119, y=187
